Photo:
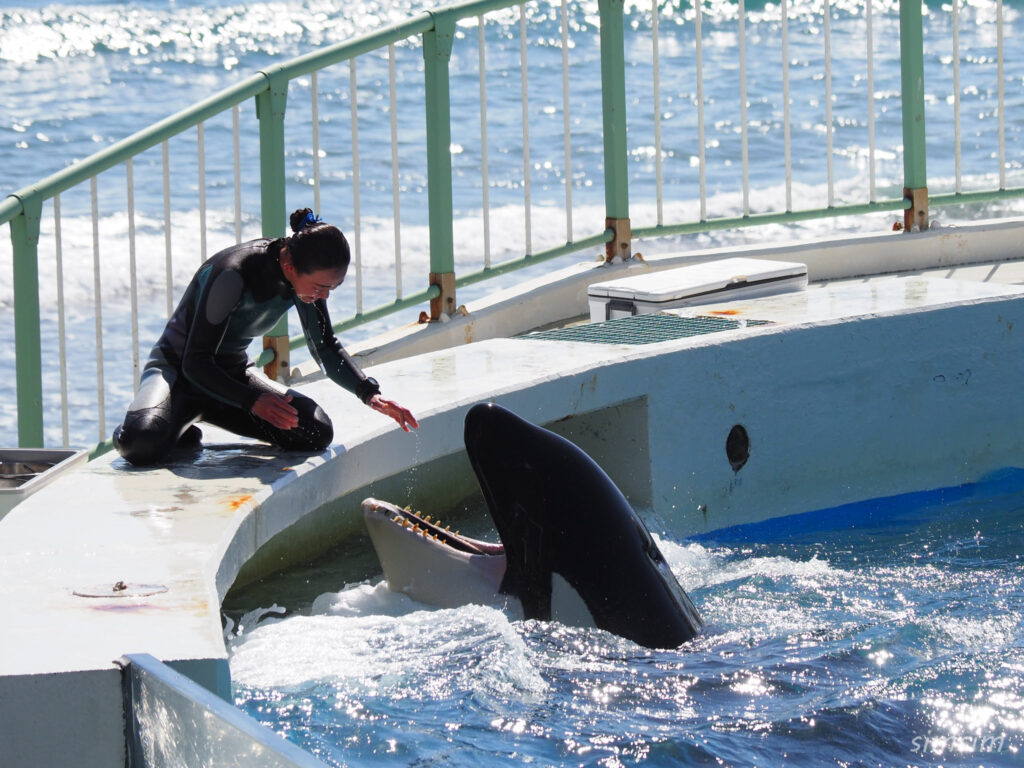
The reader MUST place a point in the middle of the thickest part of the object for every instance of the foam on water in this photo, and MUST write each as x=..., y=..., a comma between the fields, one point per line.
x=371, y=639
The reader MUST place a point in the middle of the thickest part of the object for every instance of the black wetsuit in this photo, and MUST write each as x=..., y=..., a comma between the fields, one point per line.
x=199, y=368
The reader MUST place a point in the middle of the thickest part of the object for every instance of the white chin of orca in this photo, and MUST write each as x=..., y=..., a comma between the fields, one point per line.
x=431, y=564
x=436, y=566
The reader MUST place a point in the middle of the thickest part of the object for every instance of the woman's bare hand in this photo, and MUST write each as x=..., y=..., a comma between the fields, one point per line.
x=390, y=408
x=277, y=410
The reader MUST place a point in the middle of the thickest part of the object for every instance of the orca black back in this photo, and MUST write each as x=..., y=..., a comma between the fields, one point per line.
x=558, y=512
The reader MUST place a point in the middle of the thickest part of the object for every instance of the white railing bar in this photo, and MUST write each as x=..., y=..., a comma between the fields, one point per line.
x=526, y=127
x=201, y=153
x=829, y=161
x=700, y=112
x=315, y=104
x=61, y=329
x=658, y=178
x=1002, y=94
x=356, y=245
x=395, y=189
x=869, y=32
x=957, y=139
x=167, y=227
x=237, y=152
x=133, y=277
x=744, y=138
x=786, y=134
x=566, y=122
x=485, y=182
x=98, y=303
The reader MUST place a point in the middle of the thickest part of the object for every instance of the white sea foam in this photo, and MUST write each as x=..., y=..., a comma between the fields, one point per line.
x=365, y=600
x=368, y=637
x=987, y=633
x=696, y=566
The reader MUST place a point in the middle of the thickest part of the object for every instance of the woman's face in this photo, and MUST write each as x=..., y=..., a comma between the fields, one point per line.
x=312, y=285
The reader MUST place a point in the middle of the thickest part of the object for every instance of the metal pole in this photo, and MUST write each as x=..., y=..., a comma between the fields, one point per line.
x=915, y=177
x=437, y=52
x=613, y=100
x=27, y=337
x=270, y=107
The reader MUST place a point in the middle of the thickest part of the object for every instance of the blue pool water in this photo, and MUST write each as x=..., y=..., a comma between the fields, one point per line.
x=878, y=634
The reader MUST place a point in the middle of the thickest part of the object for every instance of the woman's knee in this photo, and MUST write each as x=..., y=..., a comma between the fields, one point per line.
x=323, y=430
x=315, y=432
x=145, y=437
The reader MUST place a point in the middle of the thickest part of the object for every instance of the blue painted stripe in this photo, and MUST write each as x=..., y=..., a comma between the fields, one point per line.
x=871, y=513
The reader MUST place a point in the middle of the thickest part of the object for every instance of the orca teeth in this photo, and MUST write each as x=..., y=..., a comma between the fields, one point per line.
x=429, y=527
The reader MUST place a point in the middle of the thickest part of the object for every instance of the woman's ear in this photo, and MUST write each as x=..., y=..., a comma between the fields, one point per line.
x=285, y=259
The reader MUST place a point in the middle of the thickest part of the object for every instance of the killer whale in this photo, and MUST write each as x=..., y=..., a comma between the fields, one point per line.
x=572, y=547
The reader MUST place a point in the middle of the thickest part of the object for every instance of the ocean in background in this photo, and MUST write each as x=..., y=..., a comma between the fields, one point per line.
x=75, y=78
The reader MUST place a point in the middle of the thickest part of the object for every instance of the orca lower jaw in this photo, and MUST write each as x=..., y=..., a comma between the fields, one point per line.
x=430, y=529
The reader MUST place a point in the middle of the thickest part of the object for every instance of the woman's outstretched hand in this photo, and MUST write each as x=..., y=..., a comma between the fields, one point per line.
x=277, y=410
x=390, y=408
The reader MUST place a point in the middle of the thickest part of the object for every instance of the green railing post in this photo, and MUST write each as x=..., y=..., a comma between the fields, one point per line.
x=437, y=53
x=270, y=108
x=915, y=176
x=613, y=100
x=27, y=338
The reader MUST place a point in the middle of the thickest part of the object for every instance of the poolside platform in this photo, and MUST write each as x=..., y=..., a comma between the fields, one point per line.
x=847, y=390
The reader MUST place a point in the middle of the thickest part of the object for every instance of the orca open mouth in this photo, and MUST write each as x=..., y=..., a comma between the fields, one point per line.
x=432, y=529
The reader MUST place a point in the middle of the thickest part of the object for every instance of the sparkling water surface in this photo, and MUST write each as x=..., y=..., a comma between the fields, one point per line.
x=880, y=634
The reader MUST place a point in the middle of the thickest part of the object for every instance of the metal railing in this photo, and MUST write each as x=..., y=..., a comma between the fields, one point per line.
x=413, y=63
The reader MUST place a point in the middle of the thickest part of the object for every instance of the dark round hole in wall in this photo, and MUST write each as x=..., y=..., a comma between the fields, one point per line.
x=737, y=447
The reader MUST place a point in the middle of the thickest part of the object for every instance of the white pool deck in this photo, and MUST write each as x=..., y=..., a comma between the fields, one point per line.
x=176, y=536
x=187, y=527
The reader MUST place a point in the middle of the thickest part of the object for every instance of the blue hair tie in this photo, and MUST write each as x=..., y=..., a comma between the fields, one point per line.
x=311, y=219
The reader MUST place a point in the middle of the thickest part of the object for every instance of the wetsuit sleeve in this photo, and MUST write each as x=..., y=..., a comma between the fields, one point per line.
x=216, y=300
x=330, y=355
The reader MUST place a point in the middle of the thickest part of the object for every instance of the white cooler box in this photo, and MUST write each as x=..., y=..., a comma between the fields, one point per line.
x=708, y=283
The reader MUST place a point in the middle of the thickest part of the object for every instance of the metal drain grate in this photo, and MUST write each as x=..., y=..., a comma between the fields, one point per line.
x=643, y=329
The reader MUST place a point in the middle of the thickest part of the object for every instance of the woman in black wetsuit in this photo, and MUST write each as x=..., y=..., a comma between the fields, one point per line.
x=199, y=369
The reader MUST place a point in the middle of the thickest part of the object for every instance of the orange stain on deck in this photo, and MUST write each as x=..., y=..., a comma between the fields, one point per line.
x=726, y=312
x=234, y=503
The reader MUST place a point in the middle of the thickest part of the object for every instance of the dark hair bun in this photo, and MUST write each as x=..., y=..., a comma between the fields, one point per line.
x=298, y=219
x=316, y=244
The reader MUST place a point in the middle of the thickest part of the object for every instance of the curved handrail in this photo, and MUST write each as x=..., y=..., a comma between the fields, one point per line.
x=117, y=153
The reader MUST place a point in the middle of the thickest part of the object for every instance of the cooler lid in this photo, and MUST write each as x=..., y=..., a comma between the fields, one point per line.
x=696, y=279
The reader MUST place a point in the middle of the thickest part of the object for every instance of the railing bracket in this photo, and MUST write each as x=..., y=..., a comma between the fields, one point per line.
x=445, y=301
x=277, y=369
x=916, y=216
x=618, y=248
